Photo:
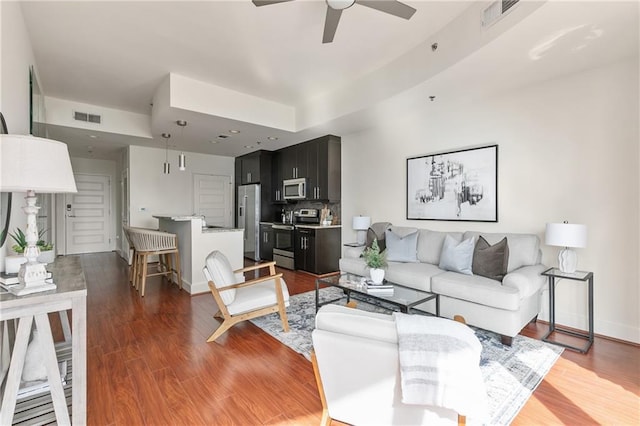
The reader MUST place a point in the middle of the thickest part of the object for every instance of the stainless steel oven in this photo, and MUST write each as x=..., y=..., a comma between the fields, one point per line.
x=283, y=245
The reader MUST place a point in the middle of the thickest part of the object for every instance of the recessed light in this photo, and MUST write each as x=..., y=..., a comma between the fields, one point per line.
x=93, y=136
x=234, y=131
x=272, y=138
x=248, y=146
x=214, y=141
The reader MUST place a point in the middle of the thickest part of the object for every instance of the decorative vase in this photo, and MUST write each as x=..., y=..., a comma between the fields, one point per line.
x=377, y=275
x=47, y=256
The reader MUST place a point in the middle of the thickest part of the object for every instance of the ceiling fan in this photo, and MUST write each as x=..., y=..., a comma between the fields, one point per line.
x=335, y=8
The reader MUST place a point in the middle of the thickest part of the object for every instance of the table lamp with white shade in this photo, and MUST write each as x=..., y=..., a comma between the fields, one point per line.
x=566, y=235
x=31, y=164
x=361, y=224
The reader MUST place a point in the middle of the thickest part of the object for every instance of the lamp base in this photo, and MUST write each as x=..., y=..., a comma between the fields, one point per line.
x=32, y=278
x=361, y=237
x=567, y=260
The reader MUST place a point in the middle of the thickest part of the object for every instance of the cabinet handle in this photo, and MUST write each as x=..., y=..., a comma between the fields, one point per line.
x=318, y=189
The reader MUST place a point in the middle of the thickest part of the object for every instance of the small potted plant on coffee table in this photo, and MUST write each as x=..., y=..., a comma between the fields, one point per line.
x=376, y=262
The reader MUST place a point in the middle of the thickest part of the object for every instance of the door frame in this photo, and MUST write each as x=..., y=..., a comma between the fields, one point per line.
x=61, y=215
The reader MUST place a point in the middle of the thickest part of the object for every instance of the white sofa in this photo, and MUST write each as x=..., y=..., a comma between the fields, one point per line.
x=358, y=363
x=502, y=307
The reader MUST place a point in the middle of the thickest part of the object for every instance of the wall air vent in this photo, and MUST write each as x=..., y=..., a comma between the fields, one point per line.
x=89, y=118
x=496, y=11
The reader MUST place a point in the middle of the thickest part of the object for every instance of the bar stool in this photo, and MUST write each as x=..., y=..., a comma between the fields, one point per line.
x=147, y=242
x=132, y=253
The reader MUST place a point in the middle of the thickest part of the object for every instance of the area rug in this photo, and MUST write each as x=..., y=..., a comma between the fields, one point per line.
x=511, y=374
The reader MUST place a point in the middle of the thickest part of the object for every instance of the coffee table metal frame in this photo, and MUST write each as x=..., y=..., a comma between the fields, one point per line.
x=355, y=285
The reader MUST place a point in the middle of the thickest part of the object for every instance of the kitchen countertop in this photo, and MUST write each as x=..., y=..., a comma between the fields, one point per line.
x=303, y=225
x=208, y=230
x=176, y=217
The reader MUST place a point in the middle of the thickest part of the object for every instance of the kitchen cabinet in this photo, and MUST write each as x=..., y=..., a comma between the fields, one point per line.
x=276, y=178
x=324, y=169
x=255, y=168
x=266, y=242
x=317, y=249
x=317, y=160
x=250, y=168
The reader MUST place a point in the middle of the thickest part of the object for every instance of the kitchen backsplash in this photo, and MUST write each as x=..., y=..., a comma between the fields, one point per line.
x=334, y=207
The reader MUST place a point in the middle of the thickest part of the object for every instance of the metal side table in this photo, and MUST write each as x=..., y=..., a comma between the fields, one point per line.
x=553, y=274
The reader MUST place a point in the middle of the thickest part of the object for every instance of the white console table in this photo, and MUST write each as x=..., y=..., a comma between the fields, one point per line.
x=71, y=293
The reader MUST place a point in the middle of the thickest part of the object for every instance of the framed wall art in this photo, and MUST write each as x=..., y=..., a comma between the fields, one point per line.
x=458, y=185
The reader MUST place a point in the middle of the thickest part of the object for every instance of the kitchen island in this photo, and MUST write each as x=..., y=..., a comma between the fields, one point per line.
x=195, y=242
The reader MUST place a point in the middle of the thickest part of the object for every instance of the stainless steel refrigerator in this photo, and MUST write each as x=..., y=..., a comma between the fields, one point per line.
x=249, y=219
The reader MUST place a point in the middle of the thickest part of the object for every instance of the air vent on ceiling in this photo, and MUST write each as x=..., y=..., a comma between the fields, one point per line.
x=496, y=10
x=84, y=116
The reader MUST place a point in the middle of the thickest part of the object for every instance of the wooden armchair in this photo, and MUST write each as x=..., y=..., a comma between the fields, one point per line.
x=239, y=301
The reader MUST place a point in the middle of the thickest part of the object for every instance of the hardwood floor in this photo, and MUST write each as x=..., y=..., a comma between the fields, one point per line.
x=148, y=363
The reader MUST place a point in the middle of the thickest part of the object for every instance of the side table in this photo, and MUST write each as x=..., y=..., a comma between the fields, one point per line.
x=553, y=274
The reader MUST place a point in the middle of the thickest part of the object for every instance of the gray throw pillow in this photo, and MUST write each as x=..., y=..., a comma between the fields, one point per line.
x=491, y=261
x=457, y=257
x=401, y=249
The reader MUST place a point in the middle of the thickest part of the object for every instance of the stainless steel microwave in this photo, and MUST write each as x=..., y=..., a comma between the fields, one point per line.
x=294, y=189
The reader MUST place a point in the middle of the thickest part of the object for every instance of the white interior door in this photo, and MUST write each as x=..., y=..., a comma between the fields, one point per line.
x=88, y=215
x=212, y=199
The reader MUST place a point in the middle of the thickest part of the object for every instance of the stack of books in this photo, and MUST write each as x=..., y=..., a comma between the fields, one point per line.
x=379, y=289
x=8, y=280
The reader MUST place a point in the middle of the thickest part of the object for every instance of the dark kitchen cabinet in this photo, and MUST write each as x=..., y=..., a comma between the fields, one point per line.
x=317, y=160
x=317, y=250
x=250, y=167
x=255, y=168
x=276, y=178
x=266, y=242
x=324, y=169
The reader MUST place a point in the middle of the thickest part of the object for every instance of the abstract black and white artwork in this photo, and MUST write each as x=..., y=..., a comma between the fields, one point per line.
x=458, y=185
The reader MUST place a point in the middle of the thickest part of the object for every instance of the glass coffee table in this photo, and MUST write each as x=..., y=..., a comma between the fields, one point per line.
x=404, y=298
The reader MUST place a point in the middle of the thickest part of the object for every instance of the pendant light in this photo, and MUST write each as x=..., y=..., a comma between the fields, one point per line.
x=167, y=166
x=182, y=160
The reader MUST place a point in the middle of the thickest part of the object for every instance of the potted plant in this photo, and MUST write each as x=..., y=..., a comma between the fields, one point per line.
x=376, y=261
x=47, y=254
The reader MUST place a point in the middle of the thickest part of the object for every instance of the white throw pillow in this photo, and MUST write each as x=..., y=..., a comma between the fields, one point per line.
x=401, y=249
x=457, y=257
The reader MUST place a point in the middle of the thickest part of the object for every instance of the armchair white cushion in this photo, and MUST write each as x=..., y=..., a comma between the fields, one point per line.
x=240, y=300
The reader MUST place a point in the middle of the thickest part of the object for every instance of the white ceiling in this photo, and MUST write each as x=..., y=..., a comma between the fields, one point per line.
x=115, y=54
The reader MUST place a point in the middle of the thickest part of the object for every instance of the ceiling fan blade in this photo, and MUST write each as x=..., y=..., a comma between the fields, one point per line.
x=392, y=7
x=331, y=24
x=268, y=2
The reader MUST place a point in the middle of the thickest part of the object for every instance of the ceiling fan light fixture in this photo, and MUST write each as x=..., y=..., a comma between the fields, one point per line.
x=340, y=4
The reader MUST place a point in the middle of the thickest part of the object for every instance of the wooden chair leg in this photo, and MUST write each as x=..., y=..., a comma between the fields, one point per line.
x=283, y=318
x=169, y=268
x=178, y=269
x=326, y=420
x=220, y=330
x=144, y=275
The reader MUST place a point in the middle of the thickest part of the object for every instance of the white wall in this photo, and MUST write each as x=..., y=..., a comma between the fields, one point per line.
x=16, y=56
x=568, y=150
x=152, y=192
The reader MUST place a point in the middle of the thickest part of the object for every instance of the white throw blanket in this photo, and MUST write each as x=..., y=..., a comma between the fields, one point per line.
x=440, y=365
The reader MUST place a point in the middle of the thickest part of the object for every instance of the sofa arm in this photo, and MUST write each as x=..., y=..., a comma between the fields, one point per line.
x=527, y=280
x=353, y=252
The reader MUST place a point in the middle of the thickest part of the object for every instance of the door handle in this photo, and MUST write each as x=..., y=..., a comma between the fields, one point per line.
x=71, y=215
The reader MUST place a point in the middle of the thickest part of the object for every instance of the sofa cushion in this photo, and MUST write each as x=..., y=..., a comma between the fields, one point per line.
x=401, y=248
x=524, y=249
x=376, y=231
x=457, y=257
x=353, y=265
x=415, y=275
x=490, y=260
x=430, y=244
x=476, y=289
